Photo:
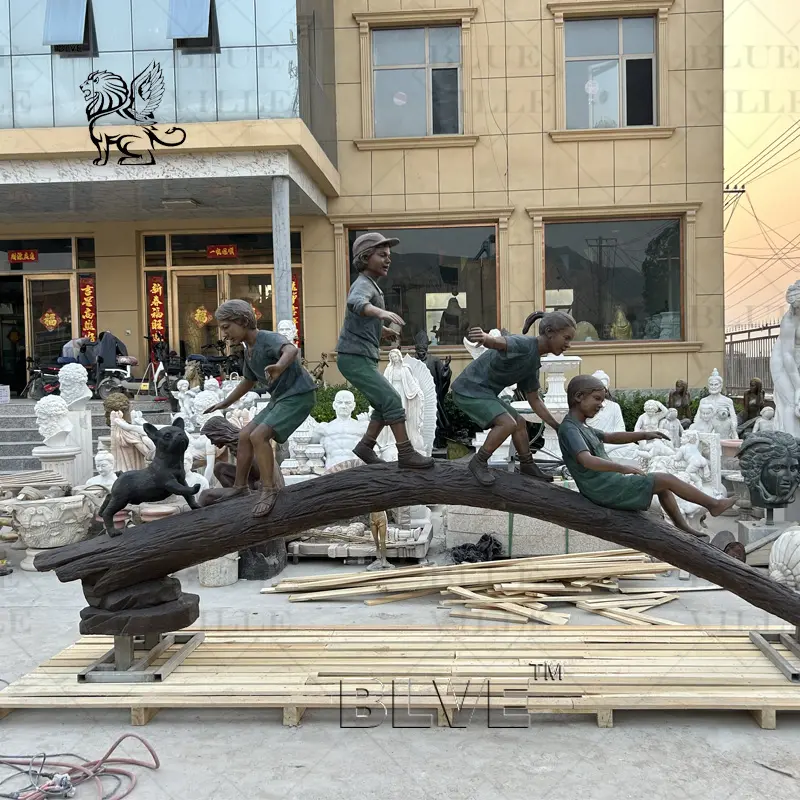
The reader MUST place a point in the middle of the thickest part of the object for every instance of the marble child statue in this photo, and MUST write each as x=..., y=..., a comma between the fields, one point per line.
x=704, y=420
x=724, y=425
x=341, y=435
x=765, y=422
x=671, y=425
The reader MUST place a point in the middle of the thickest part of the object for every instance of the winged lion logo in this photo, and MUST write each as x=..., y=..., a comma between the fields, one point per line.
x=108, y=98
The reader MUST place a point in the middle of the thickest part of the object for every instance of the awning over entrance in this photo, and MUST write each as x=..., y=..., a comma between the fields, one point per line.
x=200, y=184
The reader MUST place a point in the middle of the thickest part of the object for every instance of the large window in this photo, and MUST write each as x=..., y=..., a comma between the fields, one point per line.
x=416, y=74
x=610, y=72
x=620, y=279
x=442, y=281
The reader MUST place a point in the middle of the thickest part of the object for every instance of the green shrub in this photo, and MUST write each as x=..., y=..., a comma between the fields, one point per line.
x=323, y=410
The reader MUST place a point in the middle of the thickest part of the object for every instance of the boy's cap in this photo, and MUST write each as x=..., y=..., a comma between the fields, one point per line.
x=368, y=240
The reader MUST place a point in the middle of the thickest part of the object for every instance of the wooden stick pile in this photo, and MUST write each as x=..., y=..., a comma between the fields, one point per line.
x=514, y=590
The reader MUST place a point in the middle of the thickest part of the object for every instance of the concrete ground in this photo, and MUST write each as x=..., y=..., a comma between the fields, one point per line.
x=239, y=753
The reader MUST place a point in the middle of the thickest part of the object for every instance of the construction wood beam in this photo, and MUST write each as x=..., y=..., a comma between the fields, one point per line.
x=161, y=548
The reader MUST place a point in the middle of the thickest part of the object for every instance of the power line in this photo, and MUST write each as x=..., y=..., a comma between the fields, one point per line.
x=774, y=147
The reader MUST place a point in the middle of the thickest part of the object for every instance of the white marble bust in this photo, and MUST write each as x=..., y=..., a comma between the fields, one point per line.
x=341, y=435
x=52, y=418
x=287, y=328
x=72, y=380
x=106, y=476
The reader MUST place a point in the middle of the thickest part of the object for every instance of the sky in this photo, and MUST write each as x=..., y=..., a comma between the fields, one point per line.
x=762, y=103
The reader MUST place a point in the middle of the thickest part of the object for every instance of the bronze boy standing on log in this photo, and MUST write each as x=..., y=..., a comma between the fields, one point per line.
x=292, y=396
x=613, y=485
x=510, y=359
x=358, y=350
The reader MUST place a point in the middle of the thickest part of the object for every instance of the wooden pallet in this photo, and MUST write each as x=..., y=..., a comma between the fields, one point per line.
x=437, y=670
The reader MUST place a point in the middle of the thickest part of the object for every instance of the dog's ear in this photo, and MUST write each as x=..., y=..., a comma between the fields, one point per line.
x=178, y=423
x=151, y=431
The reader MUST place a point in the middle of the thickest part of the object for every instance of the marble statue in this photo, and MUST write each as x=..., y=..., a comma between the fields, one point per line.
x=106, y=475
x=681, y=400
x=704, y=420
x=72, y=379
x=724, y=424
x=715, y=398
x=654, y=412
x=694, y=464
x=131, y=447
x=117, y=401
x=194, y=375
x=671, y=425
x=52, y=419
x=442, y=375
x=287, y=328
x=785, y=366
x=185, y=397
x=610, y=420
x=477, y=350
x=414, y=383
x=765, y=422
x=342, y=434
x=770, y=464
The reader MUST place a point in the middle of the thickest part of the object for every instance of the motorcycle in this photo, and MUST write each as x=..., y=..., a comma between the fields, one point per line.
x=119, y=378
x=43, y=380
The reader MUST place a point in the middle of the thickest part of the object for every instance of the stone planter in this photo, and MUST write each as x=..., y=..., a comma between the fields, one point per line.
x=220, y=571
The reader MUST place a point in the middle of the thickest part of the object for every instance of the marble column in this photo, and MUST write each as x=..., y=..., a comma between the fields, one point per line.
x=282, y=248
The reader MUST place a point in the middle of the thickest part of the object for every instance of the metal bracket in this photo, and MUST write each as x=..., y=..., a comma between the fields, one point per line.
x=765, y=643
x=119, y=665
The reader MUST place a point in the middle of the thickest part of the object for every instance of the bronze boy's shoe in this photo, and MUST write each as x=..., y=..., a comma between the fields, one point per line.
x=532, y=469
x=479, y=467
x=366, y=453
x=407, y=456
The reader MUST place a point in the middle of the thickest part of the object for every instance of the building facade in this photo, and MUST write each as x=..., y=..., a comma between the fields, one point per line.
x=159, y=156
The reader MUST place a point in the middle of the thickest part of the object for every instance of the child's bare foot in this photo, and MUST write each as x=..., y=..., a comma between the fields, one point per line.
x=721, y=506
x=213, y=496
x=266, y=500
x=687, y=528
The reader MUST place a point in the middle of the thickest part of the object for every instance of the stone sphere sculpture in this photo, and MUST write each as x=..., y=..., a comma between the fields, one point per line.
x=770, y=464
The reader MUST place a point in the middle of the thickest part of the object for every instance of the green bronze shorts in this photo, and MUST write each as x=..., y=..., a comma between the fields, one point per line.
x=286, y=414
x=363, y=373
x=484, y=410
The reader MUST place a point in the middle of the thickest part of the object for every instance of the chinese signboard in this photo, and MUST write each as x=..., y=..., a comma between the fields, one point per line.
x=50, y=320
x=222, y=251
x=88, y=307
x=156, y=309
x=18, y=256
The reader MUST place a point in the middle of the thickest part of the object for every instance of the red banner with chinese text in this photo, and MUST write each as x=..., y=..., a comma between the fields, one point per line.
x=156, y=307
x=87, y=293
x=18, y=256
x=297, y=301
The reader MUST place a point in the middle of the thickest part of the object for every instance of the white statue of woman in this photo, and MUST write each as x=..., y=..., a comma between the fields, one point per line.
x=407, y=386
x=106, y=476
x=131, y=447
x=785, y=366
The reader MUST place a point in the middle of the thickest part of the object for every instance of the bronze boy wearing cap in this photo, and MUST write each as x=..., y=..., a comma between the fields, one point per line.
x=358, y=350
x=270, y=356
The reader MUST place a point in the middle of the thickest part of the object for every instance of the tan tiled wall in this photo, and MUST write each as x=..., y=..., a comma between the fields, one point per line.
x=516, y=163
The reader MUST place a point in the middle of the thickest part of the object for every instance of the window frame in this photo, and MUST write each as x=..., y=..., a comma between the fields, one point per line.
x=622, y=60
x=686, y=212
x=429, y=67
x=415, y=18
x=563, y=10
x=49, y=19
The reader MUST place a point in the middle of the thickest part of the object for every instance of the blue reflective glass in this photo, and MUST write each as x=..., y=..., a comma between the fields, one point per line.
x=6, y=111
x=68, y=75
x=236, y=22
x=195, y=82
x=27, y=24
x=237, y=86
x=5, y=29
x=64, y=22
x=278, y=82
x=150, y=25
x=32, y=90
x=276, y=22
x=112, y=24
x=165, y=111
x=189, y=19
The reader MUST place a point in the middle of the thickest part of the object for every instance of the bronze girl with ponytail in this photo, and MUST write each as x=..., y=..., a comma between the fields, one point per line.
x=509, y=360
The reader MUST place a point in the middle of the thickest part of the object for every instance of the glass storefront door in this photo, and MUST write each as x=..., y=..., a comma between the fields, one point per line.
x=198, y=293
x=12, y=333
x=49, y=302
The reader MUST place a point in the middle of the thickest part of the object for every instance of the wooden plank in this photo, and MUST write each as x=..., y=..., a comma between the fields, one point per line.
x=546, y=617
x=393, y=598
x=766, y=718
x=141, y=715
x=292, y=715
x=498, y=616
x=605, y=718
